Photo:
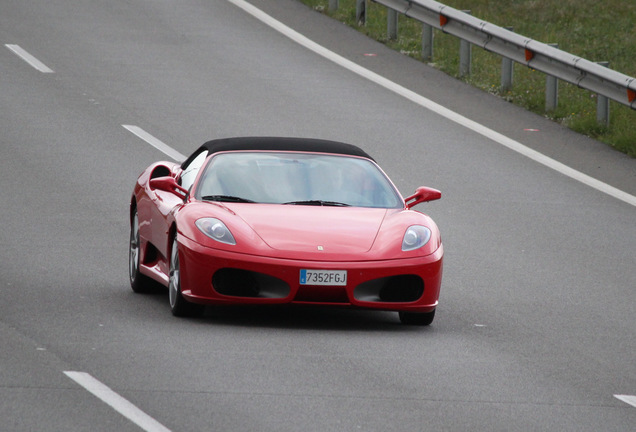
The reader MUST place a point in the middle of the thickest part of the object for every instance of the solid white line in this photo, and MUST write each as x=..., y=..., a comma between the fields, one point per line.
x=627, y=399
x=37, y=64
x=115, y=401
x=436, y=108
x=158, y=144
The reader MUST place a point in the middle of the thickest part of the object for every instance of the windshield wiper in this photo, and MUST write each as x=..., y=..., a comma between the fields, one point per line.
x=226, y=198
x=318, y=203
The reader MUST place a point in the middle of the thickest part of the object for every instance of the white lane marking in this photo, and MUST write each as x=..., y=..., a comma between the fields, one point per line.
x=436, y=108
x=37, y=64
x=631, y=400
x=115, y=401
x=158, y=144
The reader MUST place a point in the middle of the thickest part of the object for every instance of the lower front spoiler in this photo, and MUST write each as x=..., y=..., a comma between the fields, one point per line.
x=380, y=306
x=216, y=277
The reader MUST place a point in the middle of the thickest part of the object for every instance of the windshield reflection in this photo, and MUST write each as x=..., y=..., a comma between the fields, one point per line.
x=297, y=178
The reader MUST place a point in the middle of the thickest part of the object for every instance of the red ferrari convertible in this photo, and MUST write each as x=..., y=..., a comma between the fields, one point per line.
x=283, y=220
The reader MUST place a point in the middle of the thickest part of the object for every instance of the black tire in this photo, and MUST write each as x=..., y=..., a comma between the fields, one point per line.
x=139, y=283
x=179, y=306
x=420, y=319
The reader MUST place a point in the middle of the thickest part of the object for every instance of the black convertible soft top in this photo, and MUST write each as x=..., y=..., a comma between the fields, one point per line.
x=278, y=144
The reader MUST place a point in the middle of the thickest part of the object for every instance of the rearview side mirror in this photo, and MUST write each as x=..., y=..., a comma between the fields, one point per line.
x=422, y=194
x=168, y=184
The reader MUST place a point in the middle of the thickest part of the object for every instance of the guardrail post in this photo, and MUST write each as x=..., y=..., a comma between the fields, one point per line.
x=333, y=5
x=427, y=42
x=602, y=105
x=392, y=23
x=361, y=12
x=551, y=89
x=465, y=55
x=507, y=68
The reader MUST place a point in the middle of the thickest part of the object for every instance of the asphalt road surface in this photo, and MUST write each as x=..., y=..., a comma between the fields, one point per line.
x=536, y=325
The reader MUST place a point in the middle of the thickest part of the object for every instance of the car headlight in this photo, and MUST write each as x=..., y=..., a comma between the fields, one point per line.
x=415, y=237
x=216, y=230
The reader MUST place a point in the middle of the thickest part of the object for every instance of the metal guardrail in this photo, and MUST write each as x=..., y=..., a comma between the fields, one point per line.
x=536, y=55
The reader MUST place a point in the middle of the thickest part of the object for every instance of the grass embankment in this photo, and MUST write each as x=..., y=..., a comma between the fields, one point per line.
x=591, y=29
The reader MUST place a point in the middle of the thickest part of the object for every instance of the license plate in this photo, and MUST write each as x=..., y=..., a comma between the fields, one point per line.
x=323, y=277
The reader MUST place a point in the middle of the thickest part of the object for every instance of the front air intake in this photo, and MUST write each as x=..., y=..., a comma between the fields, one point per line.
x=403, y=288
x=244, y=283
x=393, y=289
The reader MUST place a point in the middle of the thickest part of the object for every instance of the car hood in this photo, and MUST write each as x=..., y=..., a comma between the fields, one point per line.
x=313, y=231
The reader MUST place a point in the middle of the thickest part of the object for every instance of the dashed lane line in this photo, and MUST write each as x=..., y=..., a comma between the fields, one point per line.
x=117, y=402
x=24, y=55
x=156, y=143
x=628, y=399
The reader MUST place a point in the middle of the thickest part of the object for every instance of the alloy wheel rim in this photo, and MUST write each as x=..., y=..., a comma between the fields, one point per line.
x=133, y=262
x=174, y=275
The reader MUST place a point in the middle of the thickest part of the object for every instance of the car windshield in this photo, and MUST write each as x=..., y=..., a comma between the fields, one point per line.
x=296, y=179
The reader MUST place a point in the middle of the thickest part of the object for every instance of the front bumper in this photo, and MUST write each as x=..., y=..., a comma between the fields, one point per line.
x=217, y=277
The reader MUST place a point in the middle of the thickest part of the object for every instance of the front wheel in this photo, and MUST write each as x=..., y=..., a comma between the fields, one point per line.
x=178, y=305
x=413, y=318
x=139, y=282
